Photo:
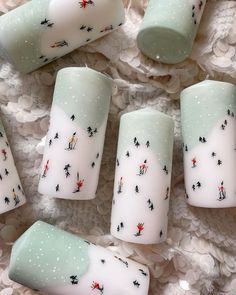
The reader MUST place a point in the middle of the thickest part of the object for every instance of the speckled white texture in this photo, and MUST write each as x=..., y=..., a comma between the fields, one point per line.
x=196, y=256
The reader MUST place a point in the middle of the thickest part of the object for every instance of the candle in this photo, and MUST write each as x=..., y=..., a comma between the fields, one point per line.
x=55, y=262
x=169, y=29
x=74, y=145
x=11, y=192
x=209, y=133
x=39, y=32
x=143, y=175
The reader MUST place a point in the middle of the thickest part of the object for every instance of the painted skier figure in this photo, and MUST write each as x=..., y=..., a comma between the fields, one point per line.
x=140, y=228
x=120, y=185
x=194, y=163
x=60, y=44
x=7, y=200
x=74, y=280
x=136, y=283
x=167, y=193
x=66, y=169
x=106, y=29
x=15, y=197
x=72, y=142
x=222, y=192
x=166, y=170
x=46, y=168
x=150, y=205
x=4, y=153
x=97, y=286
x=85, y=3
x=79, y=184
x=143, y=168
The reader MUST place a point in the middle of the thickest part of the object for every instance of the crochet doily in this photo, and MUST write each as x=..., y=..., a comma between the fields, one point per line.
x=199, y=256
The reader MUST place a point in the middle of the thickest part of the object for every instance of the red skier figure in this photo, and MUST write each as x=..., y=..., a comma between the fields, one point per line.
x=143, y=169
x=85, y=3
x=194, y=162
x=79, y=184
x=140, y=228
x=106, y=29
x=222, y=192
x=4, y=154
x=97, y=286
x=46, y=168
x=60, y=44
x=120, y=185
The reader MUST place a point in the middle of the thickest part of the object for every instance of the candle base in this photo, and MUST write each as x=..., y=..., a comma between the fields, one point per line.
x=154, y=240
x=68, y=197
x=212, y=206
x=163, y=44
x=5, y=210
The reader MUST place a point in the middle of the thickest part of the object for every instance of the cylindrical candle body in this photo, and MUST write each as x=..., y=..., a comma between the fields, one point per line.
x=209, y=134
x=48, y=259
x=41, y=31
x=169, y=29
x=11, y=191
x=75, y=139
x=143, y=175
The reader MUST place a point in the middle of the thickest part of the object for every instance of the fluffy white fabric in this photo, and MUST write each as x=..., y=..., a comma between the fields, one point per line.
x=199, y=256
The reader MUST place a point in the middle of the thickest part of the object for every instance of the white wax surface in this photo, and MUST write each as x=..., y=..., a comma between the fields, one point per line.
x=69, y=18
x=132, y=208
x=11, y=191
x=87, y=150
x=113, y=276
x=215, y=162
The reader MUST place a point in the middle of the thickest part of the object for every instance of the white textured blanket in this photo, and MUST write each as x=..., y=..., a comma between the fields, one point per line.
x=199, y=256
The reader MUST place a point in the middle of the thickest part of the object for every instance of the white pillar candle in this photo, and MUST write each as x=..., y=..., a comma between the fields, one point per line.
x=74, y=146
x=55, y=262
x=11, y=191
x=209, y=134
x=41, y=31
x=169, y=29
x=143, y=176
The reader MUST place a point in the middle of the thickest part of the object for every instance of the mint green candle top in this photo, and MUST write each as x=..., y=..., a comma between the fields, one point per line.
x=203, y=105
x=148, y=127
x=83, y=91
x=50, y=255
x=20, y=35
x=169, y=29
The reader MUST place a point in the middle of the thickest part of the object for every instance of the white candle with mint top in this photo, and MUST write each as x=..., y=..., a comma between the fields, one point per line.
x=12, y=195
x=143, y=177
x=41, y=31
x=209, y=135
x=74, y=145
x=55, y=262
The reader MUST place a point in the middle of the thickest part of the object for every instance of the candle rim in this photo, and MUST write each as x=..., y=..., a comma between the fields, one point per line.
x=150, y=111
x=71, y=69
x=205, y=83
x=144, y=48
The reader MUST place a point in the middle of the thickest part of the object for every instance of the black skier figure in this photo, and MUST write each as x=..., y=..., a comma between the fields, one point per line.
x=66, y=169
x=7, y=200
x=74, y=280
